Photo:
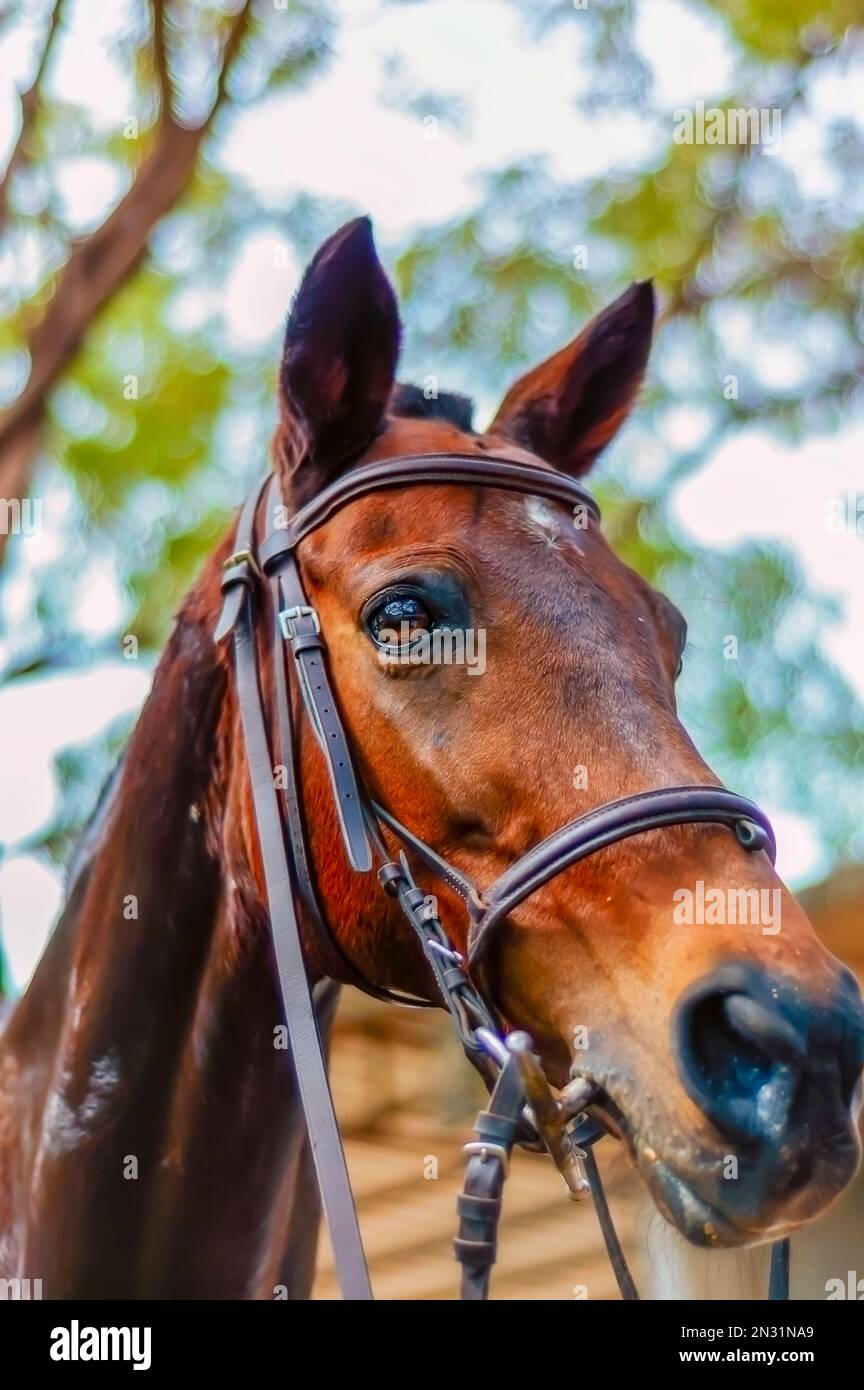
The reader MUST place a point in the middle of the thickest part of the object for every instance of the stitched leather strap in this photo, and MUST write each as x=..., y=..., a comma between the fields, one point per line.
x=301, y=630
x=409, y=470
x=608, y=825
x=309, y=1064
x=240, y=573
x=431, y=858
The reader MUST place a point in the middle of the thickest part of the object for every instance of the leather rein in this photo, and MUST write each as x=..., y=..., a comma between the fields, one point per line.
x=522, y=1106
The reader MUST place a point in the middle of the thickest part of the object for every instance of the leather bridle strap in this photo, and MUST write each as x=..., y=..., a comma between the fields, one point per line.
x=306, y=1051
x=240, y=574
x=410, y=469
x=479, y=1202
x=336, y=963
x=608, y=825
x=301, y=630
x=441, y=867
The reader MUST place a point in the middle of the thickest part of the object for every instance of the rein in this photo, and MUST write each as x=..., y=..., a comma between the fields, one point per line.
x=523, y=1107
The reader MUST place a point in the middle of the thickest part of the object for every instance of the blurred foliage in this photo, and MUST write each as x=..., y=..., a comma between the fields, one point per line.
x=78, y=770
x=724, y=230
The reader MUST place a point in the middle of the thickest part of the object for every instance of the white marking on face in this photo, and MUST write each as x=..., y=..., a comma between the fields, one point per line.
x=542, y=520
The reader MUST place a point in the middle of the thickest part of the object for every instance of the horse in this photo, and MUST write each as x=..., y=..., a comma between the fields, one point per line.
x=151, y=1139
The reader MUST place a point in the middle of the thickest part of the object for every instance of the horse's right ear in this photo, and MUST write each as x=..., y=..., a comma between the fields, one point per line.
x=569, y=408
x=339, y=360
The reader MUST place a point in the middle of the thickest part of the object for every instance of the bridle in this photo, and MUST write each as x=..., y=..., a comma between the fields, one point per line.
x=522, y=1106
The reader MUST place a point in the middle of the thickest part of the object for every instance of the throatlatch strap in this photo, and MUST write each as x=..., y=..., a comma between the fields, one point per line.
x=309, y=1064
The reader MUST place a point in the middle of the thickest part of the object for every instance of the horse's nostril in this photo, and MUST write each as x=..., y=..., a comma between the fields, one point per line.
x=725, y=1068
x=764, y=1028
x=739, y=1055
x=761, y=1060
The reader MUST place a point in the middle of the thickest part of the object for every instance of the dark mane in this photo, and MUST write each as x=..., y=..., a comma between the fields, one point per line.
x=411, y=402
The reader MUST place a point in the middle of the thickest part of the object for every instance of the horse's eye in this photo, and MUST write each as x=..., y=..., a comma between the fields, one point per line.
x=398, y=620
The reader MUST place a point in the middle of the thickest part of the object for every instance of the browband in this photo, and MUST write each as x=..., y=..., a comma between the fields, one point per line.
x=410, y=470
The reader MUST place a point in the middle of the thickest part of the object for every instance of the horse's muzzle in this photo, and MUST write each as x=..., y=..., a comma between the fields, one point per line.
x=778, y=1076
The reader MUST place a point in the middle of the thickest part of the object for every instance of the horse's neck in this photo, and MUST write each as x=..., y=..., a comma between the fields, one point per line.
x=159, y=1137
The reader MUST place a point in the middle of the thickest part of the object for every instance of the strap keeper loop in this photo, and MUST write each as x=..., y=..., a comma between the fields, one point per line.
x=240, y=569
x=390, y=876
x=288, y=618
x=274, y=549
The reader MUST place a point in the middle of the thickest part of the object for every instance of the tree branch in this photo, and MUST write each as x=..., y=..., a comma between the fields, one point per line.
x=31, y=101
x=99, y=266
x=160, y=59
x=240, y=26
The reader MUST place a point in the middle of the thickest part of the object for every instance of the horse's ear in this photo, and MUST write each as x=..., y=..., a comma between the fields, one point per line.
x=339, y=360
x=570, y=407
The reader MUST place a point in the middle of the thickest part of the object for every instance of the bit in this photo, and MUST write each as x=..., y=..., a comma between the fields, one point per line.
x=550, y=1121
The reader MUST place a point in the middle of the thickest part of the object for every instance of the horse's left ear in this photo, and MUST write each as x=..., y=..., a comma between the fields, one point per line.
x=339, y=361
x=570, y=407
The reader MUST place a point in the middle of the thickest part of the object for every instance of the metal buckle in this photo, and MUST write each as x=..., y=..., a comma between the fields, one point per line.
x=243, y=557
x=290, y=615
x=484, y=1150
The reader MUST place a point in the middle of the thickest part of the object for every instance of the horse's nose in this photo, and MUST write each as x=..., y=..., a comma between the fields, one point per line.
x=756, y=1057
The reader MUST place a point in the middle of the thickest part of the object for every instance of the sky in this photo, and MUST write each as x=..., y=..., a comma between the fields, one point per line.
x=337, y=139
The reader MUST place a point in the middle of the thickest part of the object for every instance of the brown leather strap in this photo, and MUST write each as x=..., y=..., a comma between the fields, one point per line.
x=309, y=1064
x=608, y=825
x=240, y=571
x=337, y=964
x=301, y=630
x=333, y=959
x=410, y=470
x=431, y=858
x=242, y=575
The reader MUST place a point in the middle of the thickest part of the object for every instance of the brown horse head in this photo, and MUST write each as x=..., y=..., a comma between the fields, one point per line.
x=674, y=969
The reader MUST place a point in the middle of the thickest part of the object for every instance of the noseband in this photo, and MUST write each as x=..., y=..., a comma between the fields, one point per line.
x=522, y=1106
